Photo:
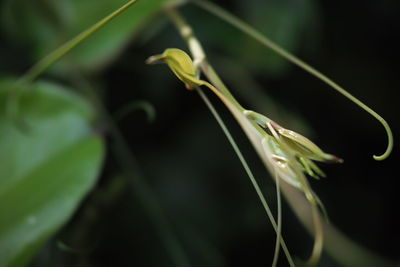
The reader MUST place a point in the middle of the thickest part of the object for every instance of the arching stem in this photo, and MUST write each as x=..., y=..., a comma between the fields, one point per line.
x=277, y=226
x=257, y=35
x=279, y=219
x=40, y=67
x=54, y=56
x=318, y=235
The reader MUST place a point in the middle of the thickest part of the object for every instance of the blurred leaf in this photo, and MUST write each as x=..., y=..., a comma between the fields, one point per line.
x=45, y=170
x=41, y=24
x=46, y=24
x=285, y=22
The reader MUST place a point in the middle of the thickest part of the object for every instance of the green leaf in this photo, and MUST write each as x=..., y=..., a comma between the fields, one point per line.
x=105, y=44
x=47, y=24
x=286, y=22
x=46, y=169
x=289, y=23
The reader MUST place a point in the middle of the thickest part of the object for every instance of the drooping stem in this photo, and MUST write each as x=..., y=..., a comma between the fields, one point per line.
x=276, y=225
x=54, y=56
x=33, y=73
x=201, y=61
x=130, y=167
x=143, y=105
x=257, y=35
x=344, y=250
x=224, y=94
x=337, y=244
x=279, y=216
x=197, y=51
x=319, y=237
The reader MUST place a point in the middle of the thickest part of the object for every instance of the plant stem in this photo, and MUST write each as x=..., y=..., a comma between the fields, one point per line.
x=34, y=72
x=344, y=250
x=249, y=30
x=275, y=225
x=279, y=228
x=54, y=56
x=319, y=237
x=201, y=61
x=198, y=53
x=200, y=58
x=140, y=187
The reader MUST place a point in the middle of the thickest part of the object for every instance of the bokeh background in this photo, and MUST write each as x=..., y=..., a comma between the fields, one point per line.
x=178, y=170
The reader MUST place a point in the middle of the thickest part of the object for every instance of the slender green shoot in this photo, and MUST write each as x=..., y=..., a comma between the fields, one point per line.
x=131, y=168
x=136, y=105
x=257, y=35
x=319, y=237
x=276, y=226
x=33, y=73
x=54, y=56
x=279, y=219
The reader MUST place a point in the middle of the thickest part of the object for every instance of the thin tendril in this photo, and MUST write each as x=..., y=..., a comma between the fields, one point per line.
x=246, y=28
x=130, y=166
x=249, y=173
x=319, y=237
x=33, y=73
x=279, y=230
x=54, y=56
x=136, y=105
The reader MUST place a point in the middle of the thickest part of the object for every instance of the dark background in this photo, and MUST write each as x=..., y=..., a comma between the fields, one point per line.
x=189, y=166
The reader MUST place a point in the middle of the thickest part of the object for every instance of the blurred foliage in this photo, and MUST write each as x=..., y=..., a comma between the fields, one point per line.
x=46, y=24
x=206, y=200
x=46, y=167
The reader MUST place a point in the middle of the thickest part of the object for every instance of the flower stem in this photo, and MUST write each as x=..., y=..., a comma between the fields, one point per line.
x=279, y=218
x=198, y=54
x=276, y=225
x=257, y=35
x=200, y=59
x=54, y=56
x=130, y=167
x=34, y=72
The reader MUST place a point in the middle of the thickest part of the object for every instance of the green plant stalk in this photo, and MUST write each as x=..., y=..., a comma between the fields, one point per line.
x=279, y=218
x=129, y=165
x=336, y=243
x=33, y=73
x=197, y=52
x=249, y=30
x=124, y=111
x=253, y=131
x=344, y=250
x=127, y=160
x=54, y=56
x=201, y=60
x=276, y=225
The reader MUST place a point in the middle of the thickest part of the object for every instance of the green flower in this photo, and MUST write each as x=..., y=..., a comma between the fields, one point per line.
x=181, y=65
x=291, y=150
x=303, y=145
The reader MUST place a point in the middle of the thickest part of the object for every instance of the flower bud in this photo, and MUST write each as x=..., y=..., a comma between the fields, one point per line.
x=181, y=65
x=304, y=146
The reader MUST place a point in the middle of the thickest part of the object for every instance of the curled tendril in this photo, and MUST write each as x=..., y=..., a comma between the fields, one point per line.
x=389, y=133
x=257, y=35
x=137, y=105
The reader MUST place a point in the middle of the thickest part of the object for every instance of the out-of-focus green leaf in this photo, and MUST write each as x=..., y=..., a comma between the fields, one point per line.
x=45, y=170
x=46, y=24
x=285, y=22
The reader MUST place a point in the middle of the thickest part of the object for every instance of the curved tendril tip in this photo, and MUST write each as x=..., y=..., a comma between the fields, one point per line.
x=389, y=133
x=246, y=28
